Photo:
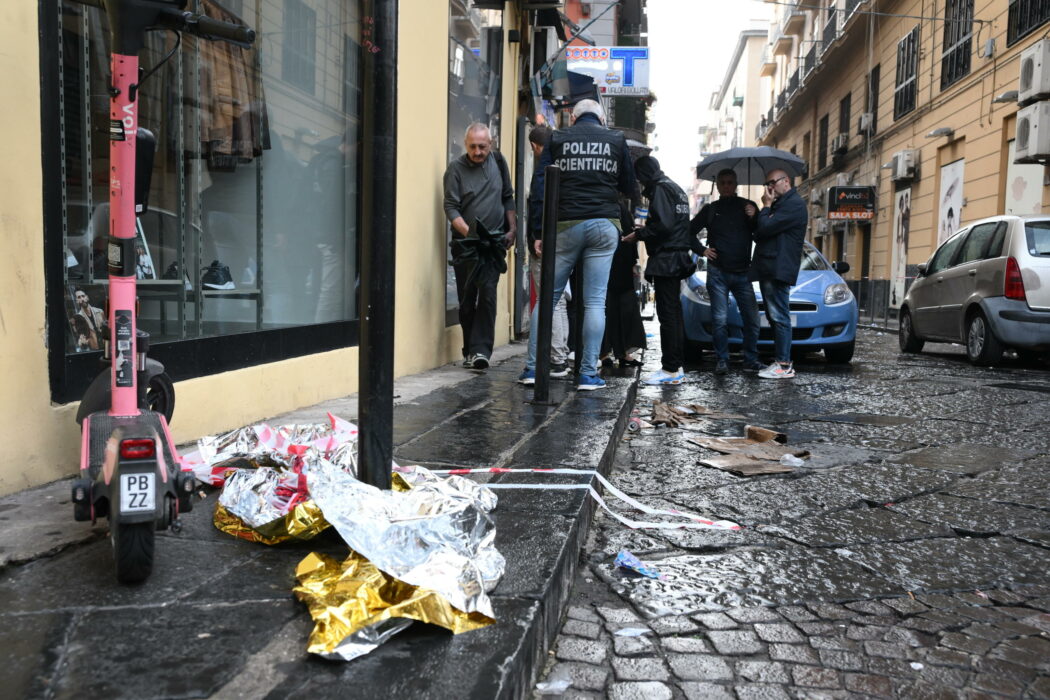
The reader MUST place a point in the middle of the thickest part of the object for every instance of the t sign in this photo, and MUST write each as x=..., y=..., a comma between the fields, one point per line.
x=629, y=54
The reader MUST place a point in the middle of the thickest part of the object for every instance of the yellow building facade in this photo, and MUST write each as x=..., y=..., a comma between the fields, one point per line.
x=243, y=361
x=902, y=95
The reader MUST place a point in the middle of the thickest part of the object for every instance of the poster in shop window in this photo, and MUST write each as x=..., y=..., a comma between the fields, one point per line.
x=901, y=224
x=1024, y=186
x=951, y=199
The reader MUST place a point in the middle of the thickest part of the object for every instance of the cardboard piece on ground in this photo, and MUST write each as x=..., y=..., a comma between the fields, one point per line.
x=674, y=416
x=758, y=452
x=744, y=465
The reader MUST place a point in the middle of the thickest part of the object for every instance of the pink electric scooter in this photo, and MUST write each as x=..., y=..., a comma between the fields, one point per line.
x=130, y=472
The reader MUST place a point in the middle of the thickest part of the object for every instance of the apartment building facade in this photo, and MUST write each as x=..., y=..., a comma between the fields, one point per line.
x=912, y=100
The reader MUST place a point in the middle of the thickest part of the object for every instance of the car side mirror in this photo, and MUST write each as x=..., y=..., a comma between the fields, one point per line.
x=841, y=267
x=921, y=268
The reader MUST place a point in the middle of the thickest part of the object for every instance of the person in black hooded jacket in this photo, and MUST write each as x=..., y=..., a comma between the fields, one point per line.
x=666, y=236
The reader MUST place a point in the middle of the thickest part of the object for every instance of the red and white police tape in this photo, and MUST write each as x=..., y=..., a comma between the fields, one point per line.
x=696, y=522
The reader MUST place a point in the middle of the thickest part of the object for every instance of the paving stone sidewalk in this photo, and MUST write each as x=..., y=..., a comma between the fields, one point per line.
x=906, y=559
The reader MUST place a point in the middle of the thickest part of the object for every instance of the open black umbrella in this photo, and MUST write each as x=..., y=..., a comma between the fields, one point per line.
x=750, y=163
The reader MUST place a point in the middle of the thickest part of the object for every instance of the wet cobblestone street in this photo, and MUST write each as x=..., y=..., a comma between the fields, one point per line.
x=906, y=558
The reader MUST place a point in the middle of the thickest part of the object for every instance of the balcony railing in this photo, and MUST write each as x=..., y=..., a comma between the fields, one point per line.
x=794, y=20
x=831, y=31
x=769, y=117
x=760, y=129
x=809, y=62
x=851, y=5
x=792, y=85
x=781, y=101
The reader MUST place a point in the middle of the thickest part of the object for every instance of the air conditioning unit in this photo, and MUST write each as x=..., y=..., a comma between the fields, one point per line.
x=904, y=165
x=1035, y=73
x=840, y=144
x=1033, y=133
x=864, y=123
x=822, y=226
x=816, y=196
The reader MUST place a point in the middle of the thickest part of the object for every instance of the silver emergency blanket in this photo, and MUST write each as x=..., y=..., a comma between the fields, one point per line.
x=260, y=496
x=438, y=535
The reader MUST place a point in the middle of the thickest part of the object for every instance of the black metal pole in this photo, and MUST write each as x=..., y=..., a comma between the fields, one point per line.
x=379, y=197
x=521, y=254
x=551, y=193
x=577, y=321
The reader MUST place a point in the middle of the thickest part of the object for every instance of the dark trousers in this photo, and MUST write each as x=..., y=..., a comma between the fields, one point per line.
x=672, y=329
x=477, y=308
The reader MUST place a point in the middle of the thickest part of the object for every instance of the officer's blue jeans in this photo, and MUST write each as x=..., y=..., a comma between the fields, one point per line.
x=590, y=243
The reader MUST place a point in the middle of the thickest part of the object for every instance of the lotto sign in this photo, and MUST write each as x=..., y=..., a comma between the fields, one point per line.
x=851, y=203
x=617, y=70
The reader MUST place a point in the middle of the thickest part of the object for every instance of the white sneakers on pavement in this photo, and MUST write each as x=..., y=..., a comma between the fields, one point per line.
x=778, y=371
x=662, y=376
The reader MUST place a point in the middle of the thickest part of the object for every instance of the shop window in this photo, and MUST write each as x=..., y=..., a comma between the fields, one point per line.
x=1025, y=16
x=958, y=37
x=907, y=84
x=250, y=240
x=475, y=71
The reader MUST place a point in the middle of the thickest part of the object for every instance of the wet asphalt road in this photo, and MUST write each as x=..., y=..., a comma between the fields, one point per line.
x=908, y=557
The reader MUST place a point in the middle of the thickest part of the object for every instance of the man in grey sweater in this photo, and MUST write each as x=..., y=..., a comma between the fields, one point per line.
x=478, y=194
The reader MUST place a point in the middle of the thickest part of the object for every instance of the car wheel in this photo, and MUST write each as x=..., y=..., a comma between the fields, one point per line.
x=840, y=354
x=909, y=342
x=982, y=347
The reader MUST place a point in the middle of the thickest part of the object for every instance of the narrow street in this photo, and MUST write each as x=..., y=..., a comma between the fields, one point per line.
x=906, y=558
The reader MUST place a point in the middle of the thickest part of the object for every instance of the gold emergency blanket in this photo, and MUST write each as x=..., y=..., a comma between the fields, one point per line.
x=356, y=606
x=304, y=522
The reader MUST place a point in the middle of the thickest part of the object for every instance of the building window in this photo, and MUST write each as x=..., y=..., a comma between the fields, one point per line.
x=298, y=62
x=907, y=74
x=248, y=251
x=806, y=155
x=822, y=143
x=845, y=109
x=872, y=103
x=475, y=70
x=1024, y=17
x=958, y=35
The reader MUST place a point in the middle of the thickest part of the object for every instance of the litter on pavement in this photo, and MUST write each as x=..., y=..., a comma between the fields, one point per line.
x=421, y=551
x=679, y=415
x=760, y=451
x=626, y=560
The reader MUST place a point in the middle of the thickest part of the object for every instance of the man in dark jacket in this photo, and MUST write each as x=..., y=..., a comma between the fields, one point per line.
x=729, y=229
x=478, y=196
x=780, y=229
x=666, y=236
x=595, y=165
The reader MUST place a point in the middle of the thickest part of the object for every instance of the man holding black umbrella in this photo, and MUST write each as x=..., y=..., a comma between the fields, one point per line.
x=780, y=229
x=729, y=222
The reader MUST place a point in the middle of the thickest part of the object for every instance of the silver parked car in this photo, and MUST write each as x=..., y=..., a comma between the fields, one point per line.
x=988, y=287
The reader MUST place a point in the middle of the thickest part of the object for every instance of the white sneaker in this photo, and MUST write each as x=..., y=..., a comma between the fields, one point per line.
x=662, y=376
x=778, y=371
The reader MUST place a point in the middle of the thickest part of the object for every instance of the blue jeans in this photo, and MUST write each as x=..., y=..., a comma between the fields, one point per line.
x=719, y=285
x=778, y=311
x=592, y=241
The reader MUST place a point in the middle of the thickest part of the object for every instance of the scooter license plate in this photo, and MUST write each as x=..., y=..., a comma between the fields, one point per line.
x=137, y=493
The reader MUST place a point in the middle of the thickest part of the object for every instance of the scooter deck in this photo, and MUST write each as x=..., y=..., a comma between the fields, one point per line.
x=101, y=427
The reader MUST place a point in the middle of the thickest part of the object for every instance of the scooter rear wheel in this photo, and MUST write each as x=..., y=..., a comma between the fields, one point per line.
x=132, y=550
x=160, y=395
